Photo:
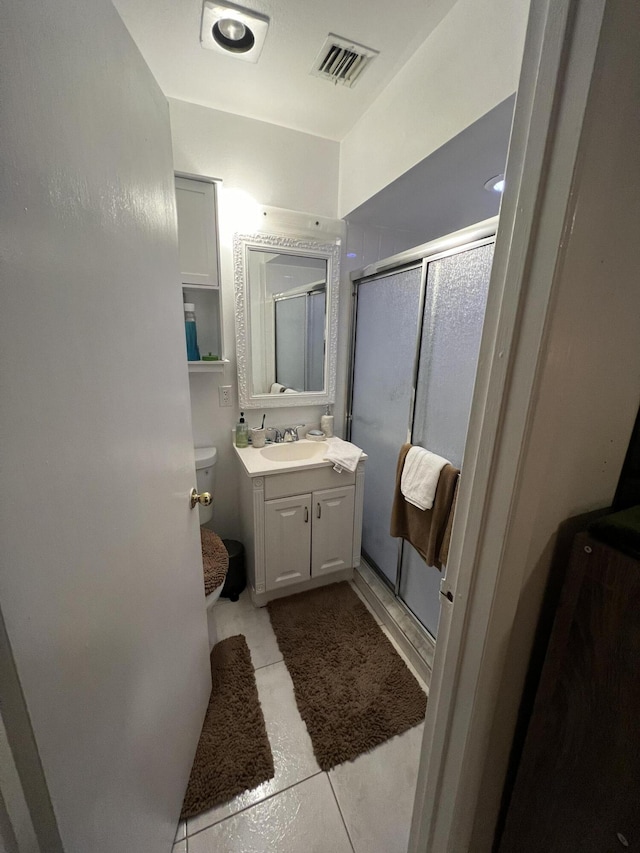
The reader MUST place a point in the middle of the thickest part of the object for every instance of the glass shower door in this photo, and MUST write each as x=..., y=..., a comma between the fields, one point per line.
x=387, y=324
x=455, y=301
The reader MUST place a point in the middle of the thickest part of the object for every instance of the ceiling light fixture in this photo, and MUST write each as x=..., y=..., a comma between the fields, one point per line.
x=232, y=30
x=495, y=184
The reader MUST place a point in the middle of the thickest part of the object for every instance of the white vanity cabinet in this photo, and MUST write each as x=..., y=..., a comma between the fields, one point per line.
x=301, y=528
x=307, y=536
x=287, y=541
x=332, y=531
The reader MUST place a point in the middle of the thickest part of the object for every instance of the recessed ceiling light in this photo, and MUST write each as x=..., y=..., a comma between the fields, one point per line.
x=232, y=30
x=495, y=184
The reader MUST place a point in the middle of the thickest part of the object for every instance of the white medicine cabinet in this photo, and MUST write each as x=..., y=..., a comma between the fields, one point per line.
x=196, y=205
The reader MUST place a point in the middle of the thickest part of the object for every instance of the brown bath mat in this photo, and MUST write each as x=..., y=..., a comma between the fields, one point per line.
x=233, y=752
x=352, y=688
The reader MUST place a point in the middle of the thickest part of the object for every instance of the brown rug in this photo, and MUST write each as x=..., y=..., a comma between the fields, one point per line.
x=233, y=752
x=352, y=688
x=215, y=560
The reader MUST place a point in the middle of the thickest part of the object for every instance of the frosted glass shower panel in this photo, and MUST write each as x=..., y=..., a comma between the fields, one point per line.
x=455, y=303
x=290, y=324
x=386, y=335
x=420, y=588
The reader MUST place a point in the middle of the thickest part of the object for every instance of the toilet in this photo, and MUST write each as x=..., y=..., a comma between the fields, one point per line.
x=206, y=478
x=206, y=458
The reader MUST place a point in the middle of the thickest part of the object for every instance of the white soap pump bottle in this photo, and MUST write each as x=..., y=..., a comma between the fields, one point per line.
x=326, y=423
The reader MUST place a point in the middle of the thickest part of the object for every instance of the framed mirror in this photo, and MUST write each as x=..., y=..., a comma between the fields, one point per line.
x=286, y=306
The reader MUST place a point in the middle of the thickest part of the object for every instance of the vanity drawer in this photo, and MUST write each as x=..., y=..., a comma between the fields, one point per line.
x=300, y=482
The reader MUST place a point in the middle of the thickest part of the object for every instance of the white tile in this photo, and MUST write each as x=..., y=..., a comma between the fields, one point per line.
x=375, y=793
x=290, y=744
x=182, y=831
x=180, y=847
x=241, y=617
x=302, y=819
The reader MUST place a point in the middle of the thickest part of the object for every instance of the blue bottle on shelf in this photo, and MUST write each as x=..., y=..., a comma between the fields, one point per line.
x=193, y=353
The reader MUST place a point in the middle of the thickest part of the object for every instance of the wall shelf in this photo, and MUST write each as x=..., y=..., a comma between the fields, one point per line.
x=199, y=268
x=207, y=366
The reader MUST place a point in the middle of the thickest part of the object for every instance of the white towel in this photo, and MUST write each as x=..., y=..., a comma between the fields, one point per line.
x=277, y=388
x=420, y=475
x=343, y=454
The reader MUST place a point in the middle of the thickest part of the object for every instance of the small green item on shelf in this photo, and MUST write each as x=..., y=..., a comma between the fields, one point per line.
x=210, y=357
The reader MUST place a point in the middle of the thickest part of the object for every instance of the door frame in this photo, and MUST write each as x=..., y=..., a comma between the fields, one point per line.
x=535, y=226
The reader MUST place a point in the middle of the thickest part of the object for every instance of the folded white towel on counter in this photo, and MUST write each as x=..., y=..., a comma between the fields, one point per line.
x=343, y=454
x=420, y=475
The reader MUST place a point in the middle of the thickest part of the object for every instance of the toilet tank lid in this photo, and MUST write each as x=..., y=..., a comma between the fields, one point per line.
x=205, y=456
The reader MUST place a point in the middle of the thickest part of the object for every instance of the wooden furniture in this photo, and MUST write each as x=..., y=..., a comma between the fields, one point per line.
x=577, y=788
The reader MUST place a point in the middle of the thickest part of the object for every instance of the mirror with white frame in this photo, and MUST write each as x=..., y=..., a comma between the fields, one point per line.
x=286, y=299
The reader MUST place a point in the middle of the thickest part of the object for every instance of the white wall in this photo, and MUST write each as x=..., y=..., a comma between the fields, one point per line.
x=468, y=65
x=277, y=167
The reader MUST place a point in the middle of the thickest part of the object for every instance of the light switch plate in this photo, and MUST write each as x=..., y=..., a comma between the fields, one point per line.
x=224, y=393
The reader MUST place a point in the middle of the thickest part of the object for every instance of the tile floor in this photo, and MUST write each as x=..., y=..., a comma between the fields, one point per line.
x=362, y=806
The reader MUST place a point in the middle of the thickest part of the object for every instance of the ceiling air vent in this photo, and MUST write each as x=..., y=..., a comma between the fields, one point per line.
x=342, y=61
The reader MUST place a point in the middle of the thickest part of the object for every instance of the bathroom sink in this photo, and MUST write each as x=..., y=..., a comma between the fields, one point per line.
x=293, y=452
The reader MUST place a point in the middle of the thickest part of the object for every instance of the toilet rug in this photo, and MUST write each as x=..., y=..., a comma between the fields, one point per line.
x=215, y=560
x=233, y=753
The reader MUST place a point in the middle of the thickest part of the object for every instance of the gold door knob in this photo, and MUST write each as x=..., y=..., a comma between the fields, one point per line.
x=204, y=499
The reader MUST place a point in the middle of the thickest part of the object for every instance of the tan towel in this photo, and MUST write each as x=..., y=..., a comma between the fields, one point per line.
x=425, y=529
x=446, y=539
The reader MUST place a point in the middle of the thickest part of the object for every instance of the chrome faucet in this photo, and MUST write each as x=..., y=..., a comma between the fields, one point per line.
x=277, y=435
x=291, y=433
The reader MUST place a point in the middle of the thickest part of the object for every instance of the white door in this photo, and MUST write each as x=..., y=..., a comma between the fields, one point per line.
x=332, y=543
x=287, y=546
x=101, y=588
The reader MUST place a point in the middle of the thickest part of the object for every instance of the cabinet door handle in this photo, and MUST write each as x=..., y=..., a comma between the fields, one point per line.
x=319, y=511
x=306, y=515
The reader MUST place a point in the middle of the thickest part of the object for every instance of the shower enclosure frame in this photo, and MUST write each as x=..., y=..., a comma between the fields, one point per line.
x=466, y=239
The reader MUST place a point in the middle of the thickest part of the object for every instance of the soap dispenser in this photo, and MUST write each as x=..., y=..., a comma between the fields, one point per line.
x=242, y=432
x=326, y=423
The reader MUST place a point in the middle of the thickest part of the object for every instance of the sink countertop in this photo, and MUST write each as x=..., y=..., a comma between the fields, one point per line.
x=257, y=465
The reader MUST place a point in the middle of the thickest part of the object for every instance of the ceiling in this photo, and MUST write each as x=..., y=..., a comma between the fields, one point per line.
x=279, y=88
